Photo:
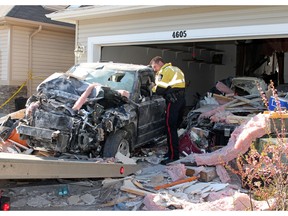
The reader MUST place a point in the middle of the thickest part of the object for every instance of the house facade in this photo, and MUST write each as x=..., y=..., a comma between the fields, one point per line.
x=209, y=43
x=32, y=47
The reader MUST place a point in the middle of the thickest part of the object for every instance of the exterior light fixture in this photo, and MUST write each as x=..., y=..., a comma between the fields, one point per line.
x=79, y=51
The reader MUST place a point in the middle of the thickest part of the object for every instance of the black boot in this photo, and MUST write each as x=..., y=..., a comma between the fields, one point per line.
x=168, y=160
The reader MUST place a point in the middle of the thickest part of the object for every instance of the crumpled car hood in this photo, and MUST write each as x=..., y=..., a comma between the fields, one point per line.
x=52, y=123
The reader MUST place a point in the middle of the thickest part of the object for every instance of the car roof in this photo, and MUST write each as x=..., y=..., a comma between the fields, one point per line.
x=118, y=66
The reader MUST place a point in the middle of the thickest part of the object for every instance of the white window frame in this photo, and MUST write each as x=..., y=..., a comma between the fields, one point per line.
x=94, y=44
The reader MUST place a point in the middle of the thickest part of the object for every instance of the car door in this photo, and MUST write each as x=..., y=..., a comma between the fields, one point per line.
x=151, y=115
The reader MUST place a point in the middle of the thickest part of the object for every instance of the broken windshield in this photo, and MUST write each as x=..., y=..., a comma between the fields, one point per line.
x=113, y=78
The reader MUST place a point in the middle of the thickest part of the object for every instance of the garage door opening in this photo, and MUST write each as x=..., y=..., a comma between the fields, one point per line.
x=205, y=63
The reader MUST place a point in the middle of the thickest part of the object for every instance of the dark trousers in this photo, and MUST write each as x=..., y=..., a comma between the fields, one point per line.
x=174, y=116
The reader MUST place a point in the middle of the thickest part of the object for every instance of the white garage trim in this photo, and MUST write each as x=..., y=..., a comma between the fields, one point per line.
x=254, y=31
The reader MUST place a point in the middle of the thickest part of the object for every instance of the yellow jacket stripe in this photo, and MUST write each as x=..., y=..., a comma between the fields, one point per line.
x=171, y=76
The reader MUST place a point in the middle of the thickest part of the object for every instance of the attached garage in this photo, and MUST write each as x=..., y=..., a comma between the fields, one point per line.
x=209, y=43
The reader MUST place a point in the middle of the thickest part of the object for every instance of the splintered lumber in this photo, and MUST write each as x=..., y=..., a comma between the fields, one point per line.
x=15, y=115
x=230, y=103
x=20, y=166
x=276, y=115
x=222, y=97
x=129, y=187
x=233, y=119
x=140, y=186
x=244, y=101
x=175, y=183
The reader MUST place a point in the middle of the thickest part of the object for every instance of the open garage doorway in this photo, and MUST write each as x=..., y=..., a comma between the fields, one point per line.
x=205, y=63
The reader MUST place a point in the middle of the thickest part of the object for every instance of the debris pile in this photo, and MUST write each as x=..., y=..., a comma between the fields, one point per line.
x=155, y=187
x=204, y=190
x=227, y=106
x=217, y=132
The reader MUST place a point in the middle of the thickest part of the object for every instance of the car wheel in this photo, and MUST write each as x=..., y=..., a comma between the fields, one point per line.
x=117, y=142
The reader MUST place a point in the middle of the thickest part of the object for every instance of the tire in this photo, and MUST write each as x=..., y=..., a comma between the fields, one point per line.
x=117, y=142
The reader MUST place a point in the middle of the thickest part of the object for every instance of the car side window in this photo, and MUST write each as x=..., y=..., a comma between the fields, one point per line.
x=144, y=88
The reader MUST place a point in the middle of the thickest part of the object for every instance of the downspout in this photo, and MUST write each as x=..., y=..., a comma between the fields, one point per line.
x=29, y=75
x=76, y=40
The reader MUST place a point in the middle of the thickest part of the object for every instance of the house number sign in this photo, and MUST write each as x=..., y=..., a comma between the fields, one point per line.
x=179, y=34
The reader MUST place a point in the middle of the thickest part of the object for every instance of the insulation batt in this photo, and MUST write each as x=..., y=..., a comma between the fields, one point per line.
x=228, y=117
x=222, y=173
x=239, y=142
x=224, y=88
x=176, y=172
x=210, y=113
x=220, y=116
x=82, y=99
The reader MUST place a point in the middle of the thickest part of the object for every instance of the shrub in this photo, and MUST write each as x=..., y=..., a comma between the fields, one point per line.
x=263, y=169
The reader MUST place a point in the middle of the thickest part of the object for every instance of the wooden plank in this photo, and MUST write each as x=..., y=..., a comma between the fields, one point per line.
x=20, y=166
x=243, y=99
x=245, y=109
x=129, y=187
x=276, y=115
x=242, y=103
x=15, y=115
x=222, y=97
x=175, y=183
x=140, y=186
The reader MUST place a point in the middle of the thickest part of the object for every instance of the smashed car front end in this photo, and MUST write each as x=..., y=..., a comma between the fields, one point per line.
x=54, y=123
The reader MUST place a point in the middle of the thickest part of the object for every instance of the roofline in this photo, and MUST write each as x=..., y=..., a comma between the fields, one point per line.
x=30, y=23
x=72, y=15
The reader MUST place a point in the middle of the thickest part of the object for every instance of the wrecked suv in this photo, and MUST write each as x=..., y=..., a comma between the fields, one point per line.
x=83, y=111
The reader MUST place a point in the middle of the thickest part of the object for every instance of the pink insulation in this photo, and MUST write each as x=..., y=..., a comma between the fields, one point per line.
x=212, y=112
x=32, y=107
x=239, y=142
x=176, y=172
x=82, y=99
x=224, y=88
x=223, y=174
x=220, y=116
x=217, y=195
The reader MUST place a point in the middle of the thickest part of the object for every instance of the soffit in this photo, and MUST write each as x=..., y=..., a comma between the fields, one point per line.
x=101, y=11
